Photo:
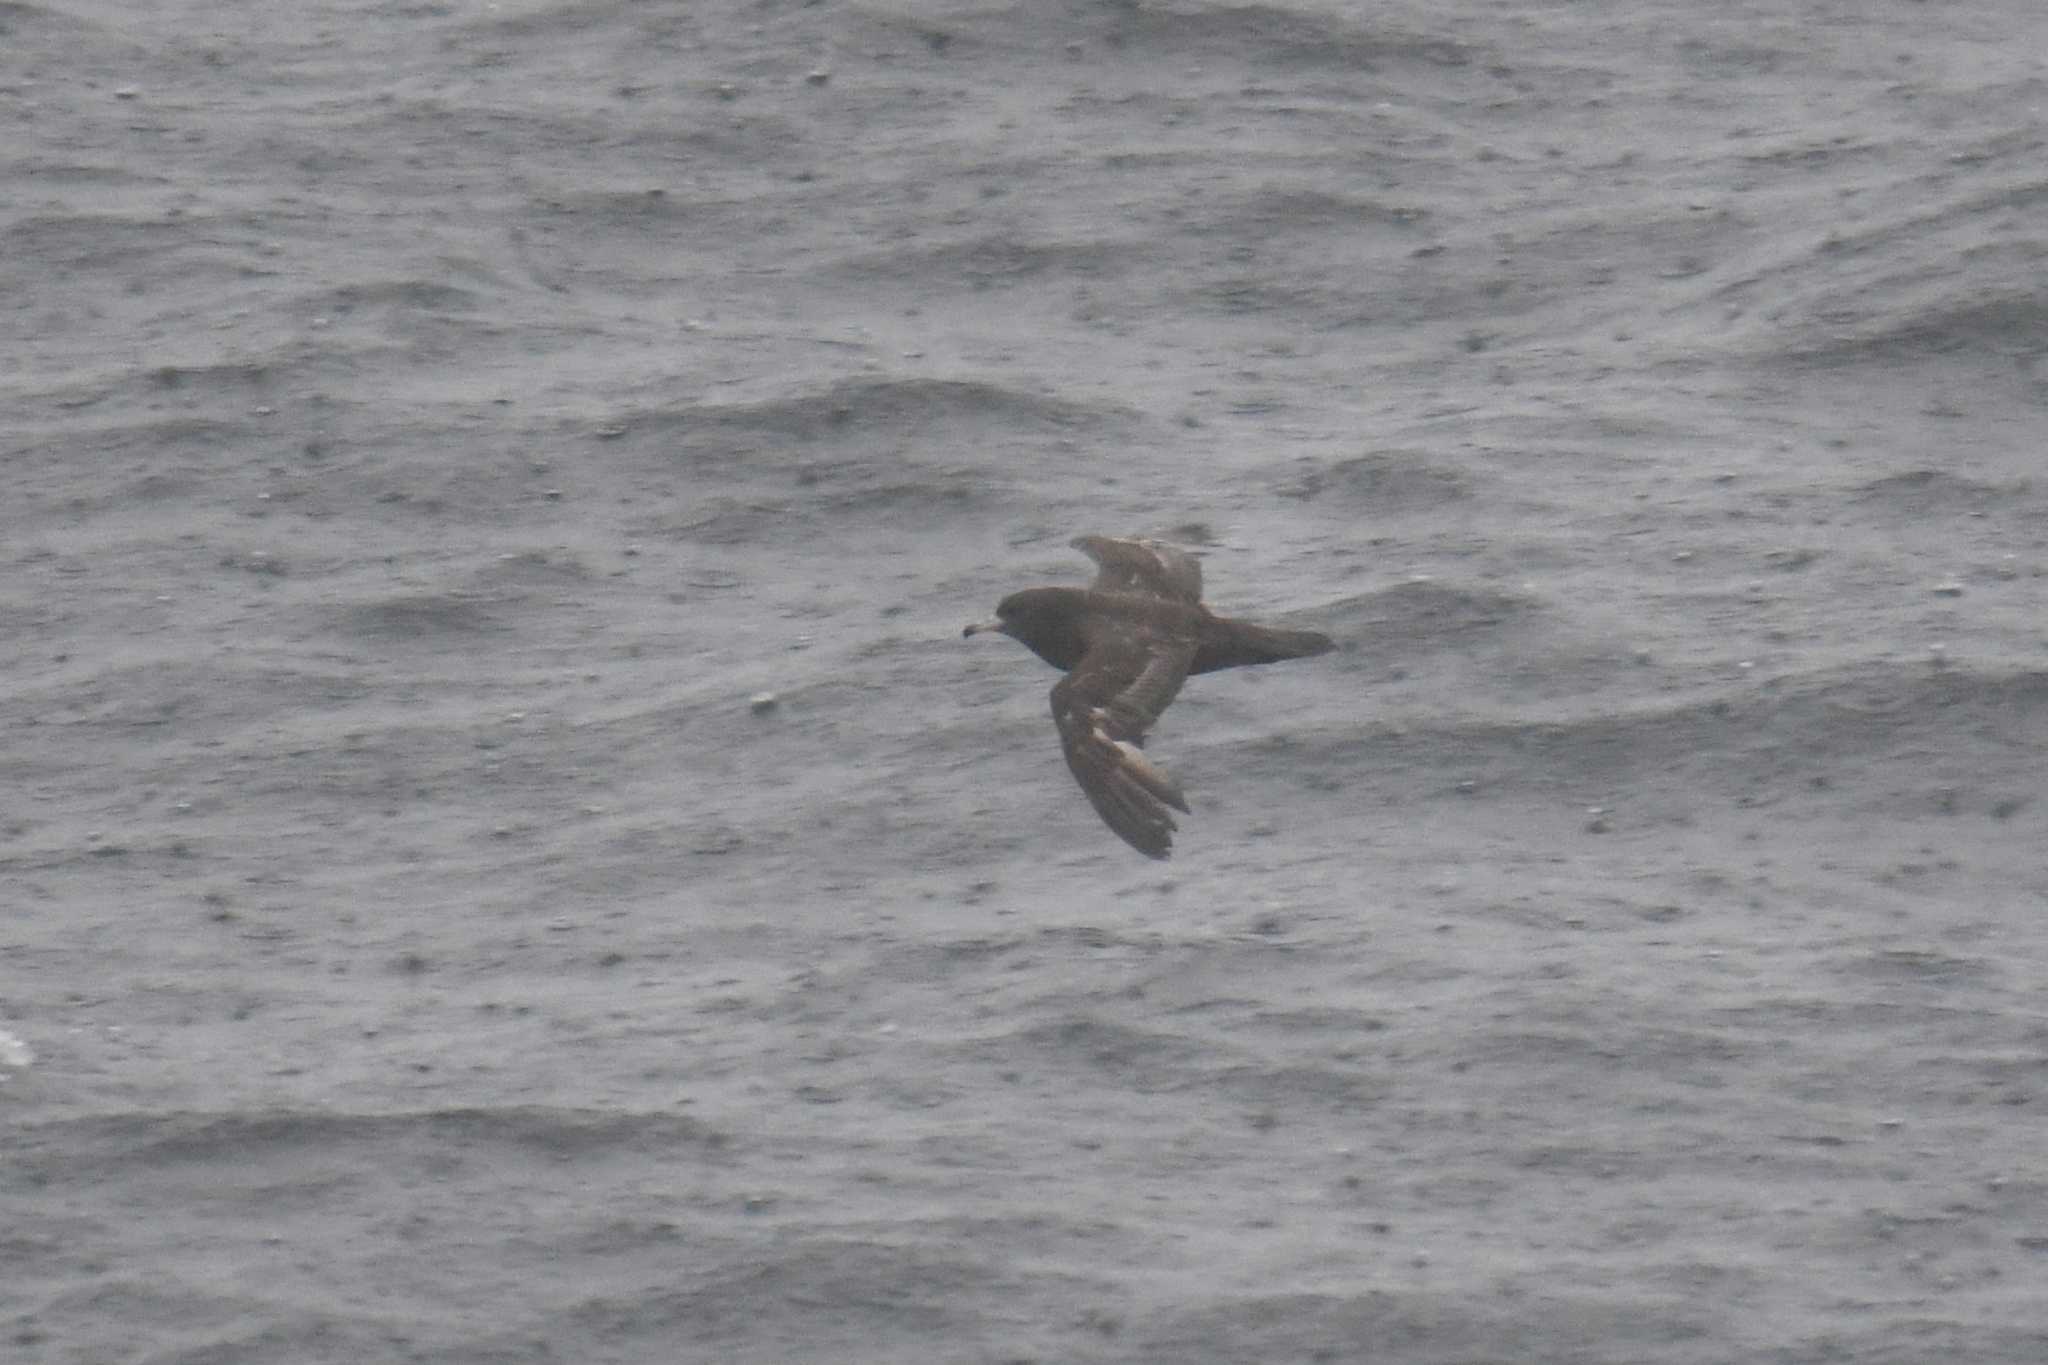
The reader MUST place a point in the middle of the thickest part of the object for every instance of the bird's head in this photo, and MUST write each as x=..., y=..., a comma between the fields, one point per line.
x=1047, y=621
x=1009, y=615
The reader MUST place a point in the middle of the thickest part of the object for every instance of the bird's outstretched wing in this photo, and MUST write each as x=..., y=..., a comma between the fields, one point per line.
x=1147, y=566
x=1103, y=709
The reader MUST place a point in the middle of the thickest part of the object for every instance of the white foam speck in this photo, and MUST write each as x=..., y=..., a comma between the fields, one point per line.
x=14, y=1052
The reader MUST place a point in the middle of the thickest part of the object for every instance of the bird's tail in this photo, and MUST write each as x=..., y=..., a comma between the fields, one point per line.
x=1232, y=644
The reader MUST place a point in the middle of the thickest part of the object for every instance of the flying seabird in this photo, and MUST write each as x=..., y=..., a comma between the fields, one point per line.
x=1126, y=643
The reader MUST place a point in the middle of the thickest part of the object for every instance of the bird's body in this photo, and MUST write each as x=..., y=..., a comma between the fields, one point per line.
x=1126, y=644
x=1220, y=642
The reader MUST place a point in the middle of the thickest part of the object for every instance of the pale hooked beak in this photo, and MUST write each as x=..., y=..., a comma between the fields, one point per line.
x=980, y=627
